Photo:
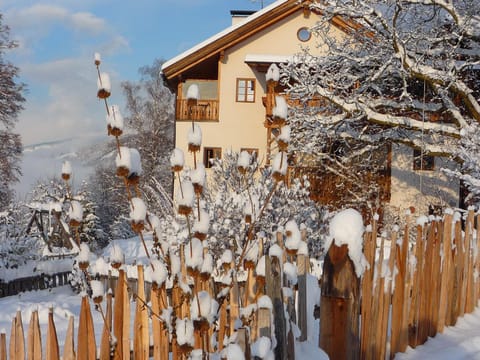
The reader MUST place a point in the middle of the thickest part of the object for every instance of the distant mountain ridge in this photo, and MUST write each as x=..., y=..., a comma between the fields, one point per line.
x=44, y=160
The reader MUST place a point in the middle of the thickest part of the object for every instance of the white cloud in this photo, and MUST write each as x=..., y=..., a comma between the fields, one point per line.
x=37, y=21
x=87, y=21
x=68, y=106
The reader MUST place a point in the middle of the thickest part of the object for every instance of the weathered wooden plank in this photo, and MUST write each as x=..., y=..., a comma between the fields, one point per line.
x=447, y=269
x=340, y=306
x=140, y=330
x=17, y=339
x=399, y=335
x=69, y=347
x=87, y=348
x=367, y=290
x=105, y=341
x=274, y=291
x=469, y=286
x=3, y=346
x=302, y=296
x=52, y=351
x=34, y=339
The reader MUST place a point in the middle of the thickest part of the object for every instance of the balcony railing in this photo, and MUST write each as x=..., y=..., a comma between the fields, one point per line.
x=205, y=110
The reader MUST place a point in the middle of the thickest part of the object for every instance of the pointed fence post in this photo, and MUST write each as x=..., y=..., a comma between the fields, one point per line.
x=17, y=340
x=87, y=349
x=69, y=348
x=34, y=339
x=105, y=342
x=52, y=352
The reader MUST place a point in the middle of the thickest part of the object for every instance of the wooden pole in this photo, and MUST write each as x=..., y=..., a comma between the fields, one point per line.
x=69, y=348
x=3, y=346
x=34, y=338
x=302, y=297
x=141, y=340
x=52, y=351
x=264, y=323
x=469, y=291
x=106, y=333
x=370, y=239
x=417, y=283
x=17, y=340
x=87, y=348
x=340, y=306
x=274, y=291
x=399, y=337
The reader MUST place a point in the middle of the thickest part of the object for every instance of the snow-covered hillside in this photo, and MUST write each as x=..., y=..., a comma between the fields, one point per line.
x=44, y=160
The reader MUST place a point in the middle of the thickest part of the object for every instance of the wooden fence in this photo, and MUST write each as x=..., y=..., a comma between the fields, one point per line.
x=39, y=282
x=420, y=280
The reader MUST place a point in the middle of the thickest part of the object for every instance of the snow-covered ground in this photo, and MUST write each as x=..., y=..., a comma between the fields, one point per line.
x=459, y=342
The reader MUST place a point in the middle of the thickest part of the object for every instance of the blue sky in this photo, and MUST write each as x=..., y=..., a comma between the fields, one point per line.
x=57, y=40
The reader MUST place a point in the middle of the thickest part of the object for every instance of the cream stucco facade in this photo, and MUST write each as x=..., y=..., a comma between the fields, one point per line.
x=420, y=188
x=241, y=124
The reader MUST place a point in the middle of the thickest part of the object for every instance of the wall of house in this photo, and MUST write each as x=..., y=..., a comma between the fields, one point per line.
x=420, y=188
x=240, y=124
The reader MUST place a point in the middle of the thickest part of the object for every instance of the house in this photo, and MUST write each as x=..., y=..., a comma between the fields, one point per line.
x=229, y=69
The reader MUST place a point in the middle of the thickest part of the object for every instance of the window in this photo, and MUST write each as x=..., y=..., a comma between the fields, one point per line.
x=422, y=161
x=210, y=154
x=245, y=90
x=304, y=34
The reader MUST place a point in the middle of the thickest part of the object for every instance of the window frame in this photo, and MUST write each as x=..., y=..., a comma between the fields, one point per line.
x=216, y=150
x=244, y=98
x=422, y=162
x=304, y=30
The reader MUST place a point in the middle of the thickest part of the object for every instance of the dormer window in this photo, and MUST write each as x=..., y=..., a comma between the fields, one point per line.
x=245, y=90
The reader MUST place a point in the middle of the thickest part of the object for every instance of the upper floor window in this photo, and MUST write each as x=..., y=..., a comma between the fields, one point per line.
x=210, y=154
x=245, y=90
x=422, y=161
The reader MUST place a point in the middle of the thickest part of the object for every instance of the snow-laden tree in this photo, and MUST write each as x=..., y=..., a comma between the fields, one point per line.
x=404, y=71
x=11, y=101
x=151, y=116
x=235, y=199
x=17, y=247
x=108, y=196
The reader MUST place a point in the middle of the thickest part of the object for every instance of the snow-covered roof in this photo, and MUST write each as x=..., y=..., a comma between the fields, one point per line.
x=221, y=34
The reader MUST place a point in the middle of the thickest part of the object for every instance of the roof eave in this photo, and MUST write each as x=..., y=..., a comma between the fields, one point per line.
x=230, y=38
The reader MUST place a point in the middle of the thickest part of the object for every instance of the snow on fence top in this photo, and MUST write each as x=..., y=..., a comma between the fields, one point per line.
x=346, y=228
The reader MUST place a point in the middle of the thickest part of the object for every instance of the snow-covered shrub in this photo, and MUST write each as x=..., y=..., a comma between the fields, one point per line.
x=231, y=193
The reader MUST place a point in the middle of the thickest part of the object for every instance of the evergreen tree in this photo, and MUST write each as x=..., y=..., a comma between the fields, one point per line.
x=11, y=101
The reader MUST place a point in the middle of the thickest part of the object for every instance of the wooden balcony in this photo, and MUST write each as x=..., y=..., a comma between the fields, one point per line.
x=205, y=110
